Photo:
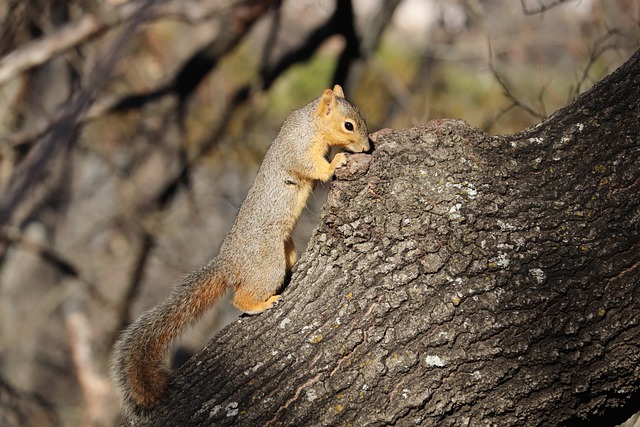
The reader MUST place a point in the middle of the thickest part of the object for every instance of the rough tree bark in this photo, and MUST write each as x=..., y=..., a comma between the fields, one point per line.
x=454, y=279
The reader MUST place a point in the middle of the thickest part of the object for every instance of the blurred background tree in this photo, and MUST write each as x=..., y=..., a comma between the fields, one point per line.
x=132, y=130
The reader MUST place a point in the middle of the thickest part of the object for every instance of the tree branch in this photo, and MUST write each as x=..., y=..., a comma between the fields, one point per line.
x=95, y=386
x=340, y=22
x=38, y=161
x=506, y=90
x=38, y=52
x=600, y=46
x=454, y=278
x=80, y=30
x=542, y=6
x=236, y=21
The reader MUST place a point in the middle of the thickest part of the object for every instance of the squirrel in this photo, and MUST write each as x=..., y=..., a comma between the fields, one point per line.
x=256, y=253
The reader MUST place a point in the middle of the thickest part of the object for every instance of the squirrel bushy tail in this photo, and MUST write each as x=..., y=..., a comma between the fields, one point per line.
x=142, y=376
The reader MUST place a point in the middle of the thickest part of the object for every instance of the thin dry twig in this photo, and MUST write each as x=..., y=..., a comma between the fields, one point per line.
x=81, y=30
x=49, y=254
x=599, y=47
x=506, y=90
x=65, y=266
x=25, y=406
x=542, y=6
x=62, y=135
x=39, y=51
x=95, y=386
x=340, y=22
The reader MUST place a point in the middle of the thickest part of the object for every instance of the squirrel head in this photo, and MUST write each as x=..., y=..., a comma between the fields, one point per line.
x=341, y=123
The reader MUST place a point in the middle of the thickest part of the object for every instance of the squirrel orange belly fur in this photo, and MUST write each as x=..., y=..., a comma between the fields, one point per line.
x=257, y=252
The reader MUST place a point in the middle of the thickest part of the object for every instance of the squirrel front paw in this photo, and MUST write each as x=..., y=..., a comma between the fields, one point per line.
x=327, y=171
x=339, y=160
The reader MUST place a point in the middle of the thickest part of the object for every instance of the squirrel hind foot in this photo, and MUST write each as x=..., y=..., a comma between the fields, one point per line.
x=251, y=305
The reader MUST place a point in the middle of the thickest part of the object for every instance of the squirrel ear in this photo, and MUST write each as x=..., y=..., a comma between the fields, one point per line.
x=337, y=89
x=326, y=101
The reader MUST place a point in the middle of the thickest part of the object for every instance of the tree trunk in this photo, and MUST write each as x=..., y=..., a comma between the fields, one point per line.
x=454, y=279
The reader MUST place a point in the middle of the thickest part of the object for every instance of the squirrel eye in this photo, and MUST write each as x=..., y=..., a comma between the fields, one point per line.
x=348, y=126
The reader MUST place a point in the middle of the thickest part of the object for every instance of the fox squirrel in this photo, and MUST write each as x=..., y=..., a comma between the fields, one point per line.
x=257, y=252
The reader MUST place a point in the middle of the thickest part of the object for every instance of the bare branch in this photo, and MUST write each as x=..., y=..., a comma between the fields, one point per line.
x=39, y=51
x=78, y=31
x=600, y=46
x=49, y=254
x=541, y=6
x=95, y=386
x=241, y=15
x=65, y=266
x=514, y=100
x=38, y=161
x=340, y=22
x=24, y=406
x=506, y=90
x=491, y=122
x=369, y=43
